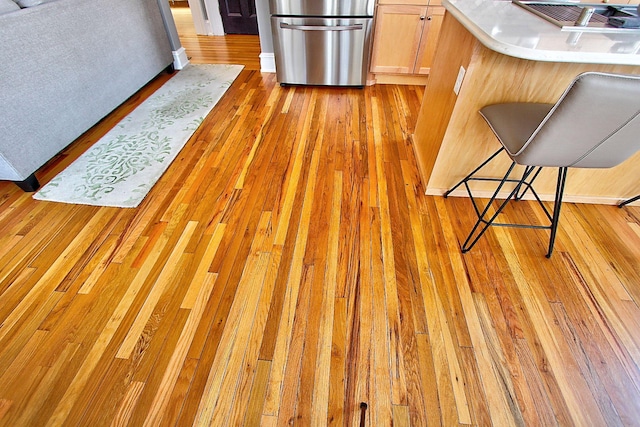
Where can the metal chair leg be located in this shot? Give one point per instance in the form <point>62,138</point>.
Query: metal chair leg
<point>528,185</point>
<point>562,178</point>
<point>631,200</point>
<point>466,178</point>
<point>469,243</point>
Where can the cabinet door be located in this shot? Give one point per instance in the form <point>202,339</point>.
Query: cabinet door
<point>397,38</point>
<point>429,41</point>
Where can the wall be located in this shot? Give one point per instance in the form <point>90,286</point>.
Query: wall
<point>267,57</point>
<point>264,26</point>
<point>180,59</point>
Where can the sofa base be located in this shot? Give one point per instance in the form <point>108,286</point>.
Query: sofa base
<point>29,185</point>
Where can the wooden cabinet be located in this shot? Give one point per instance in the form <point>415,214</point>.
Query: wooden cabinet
<point>405,38</point>
<point>429,40</point>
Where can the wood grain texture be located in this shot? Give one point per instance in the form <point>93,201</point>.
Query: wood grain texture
<point>288,267</point>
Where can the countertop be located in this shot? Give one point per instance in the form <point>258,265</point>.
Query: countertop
<point>509,29</point>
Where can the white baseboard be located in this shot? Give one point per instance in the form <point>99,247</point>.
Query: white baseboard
<point>180,59</point>
<point>267,63</point>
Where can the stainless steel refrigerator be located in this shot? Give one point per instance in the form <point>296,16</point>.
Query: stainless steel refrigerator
<point>322,42</point>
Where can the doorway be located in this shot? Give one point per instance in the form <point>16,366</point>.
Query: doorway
<point>205,49</point>
<point>220,17</point>
<point>239,16</point>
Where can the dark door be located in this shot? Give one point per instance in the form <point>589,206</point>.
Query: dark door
<point>239,16</point>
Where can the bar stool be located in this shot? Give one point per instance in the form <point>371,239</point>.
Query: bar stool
<point>594,124</point>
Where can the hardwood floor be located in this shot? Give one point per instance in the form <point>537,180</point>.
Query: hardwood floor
<point>288,268</point>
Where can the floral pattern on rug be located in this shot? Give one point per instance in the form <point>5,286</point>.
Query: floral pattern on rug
<point>121,168</point>
<point>120,159</point>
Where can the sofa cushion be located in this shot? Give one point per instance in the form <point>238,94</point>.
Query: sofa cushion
<point>7,6</point>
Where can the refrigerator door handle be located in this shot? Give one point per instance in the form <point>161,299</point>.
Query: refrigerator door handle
<point>321,27</point>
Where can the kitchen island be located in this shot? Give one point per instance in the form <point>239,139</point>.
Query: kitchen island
<point>495,51</point>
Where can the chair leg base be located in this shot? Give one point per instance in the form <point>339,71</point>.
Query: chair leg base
<point>523,185</point>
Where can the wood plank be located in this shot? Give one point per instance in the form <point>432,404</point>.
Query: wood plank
<point>320,406</point>
<point>161,399</point>
<point>84,374</point>
<point>250,378</point>
<point>380,408</point>
<point>284,339</point>
<point>162,281</point>
<point>578,398</point>
<point>337,369</point>
<point>499,364</point>
<point>594,382</point>
<point>258,391</point>
<point>399,388</point>
<point>359,384</point>
<point>233,346</point>
<point>176,401</point>
<point>4,407</point>
<point>37,396</point>
<point>128,404</point>
<point>37,302</point>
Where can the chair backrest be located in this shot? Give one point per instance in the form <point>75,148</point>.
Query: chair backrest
<point>594,124</point>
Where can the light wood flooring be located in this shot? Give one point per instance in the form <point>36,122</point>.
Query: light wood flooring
<point>287,269</point>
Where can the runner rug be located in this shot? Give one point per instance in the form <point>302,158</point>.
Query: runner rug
<point>121,168</point>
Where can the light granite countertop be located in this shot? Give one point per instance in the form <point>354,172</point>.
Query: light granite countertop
<point>511,30</point>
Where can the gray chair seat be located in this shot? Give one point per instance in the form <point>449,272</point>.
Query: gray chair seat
<point>513,123</point>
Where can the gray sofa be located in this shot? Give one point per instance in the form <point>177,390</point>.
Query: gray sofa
<point>66,64</point>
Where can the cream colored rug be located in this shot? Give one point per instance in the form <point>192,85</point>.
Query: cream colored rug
<point>121,168</point>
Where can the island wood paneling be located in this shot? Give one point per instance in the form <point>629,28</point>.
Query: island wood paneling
<point>455,49</point>
<point>288,267</point>
<point>452,139</point>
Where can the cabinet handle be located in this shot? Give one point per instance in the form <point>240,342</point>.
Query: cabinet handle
<point>422,18</point>
<point>428,18</point>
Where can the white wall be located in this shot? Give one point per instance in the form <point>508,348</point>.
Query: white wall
<point>264,25</point>
<point>267,58</point>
